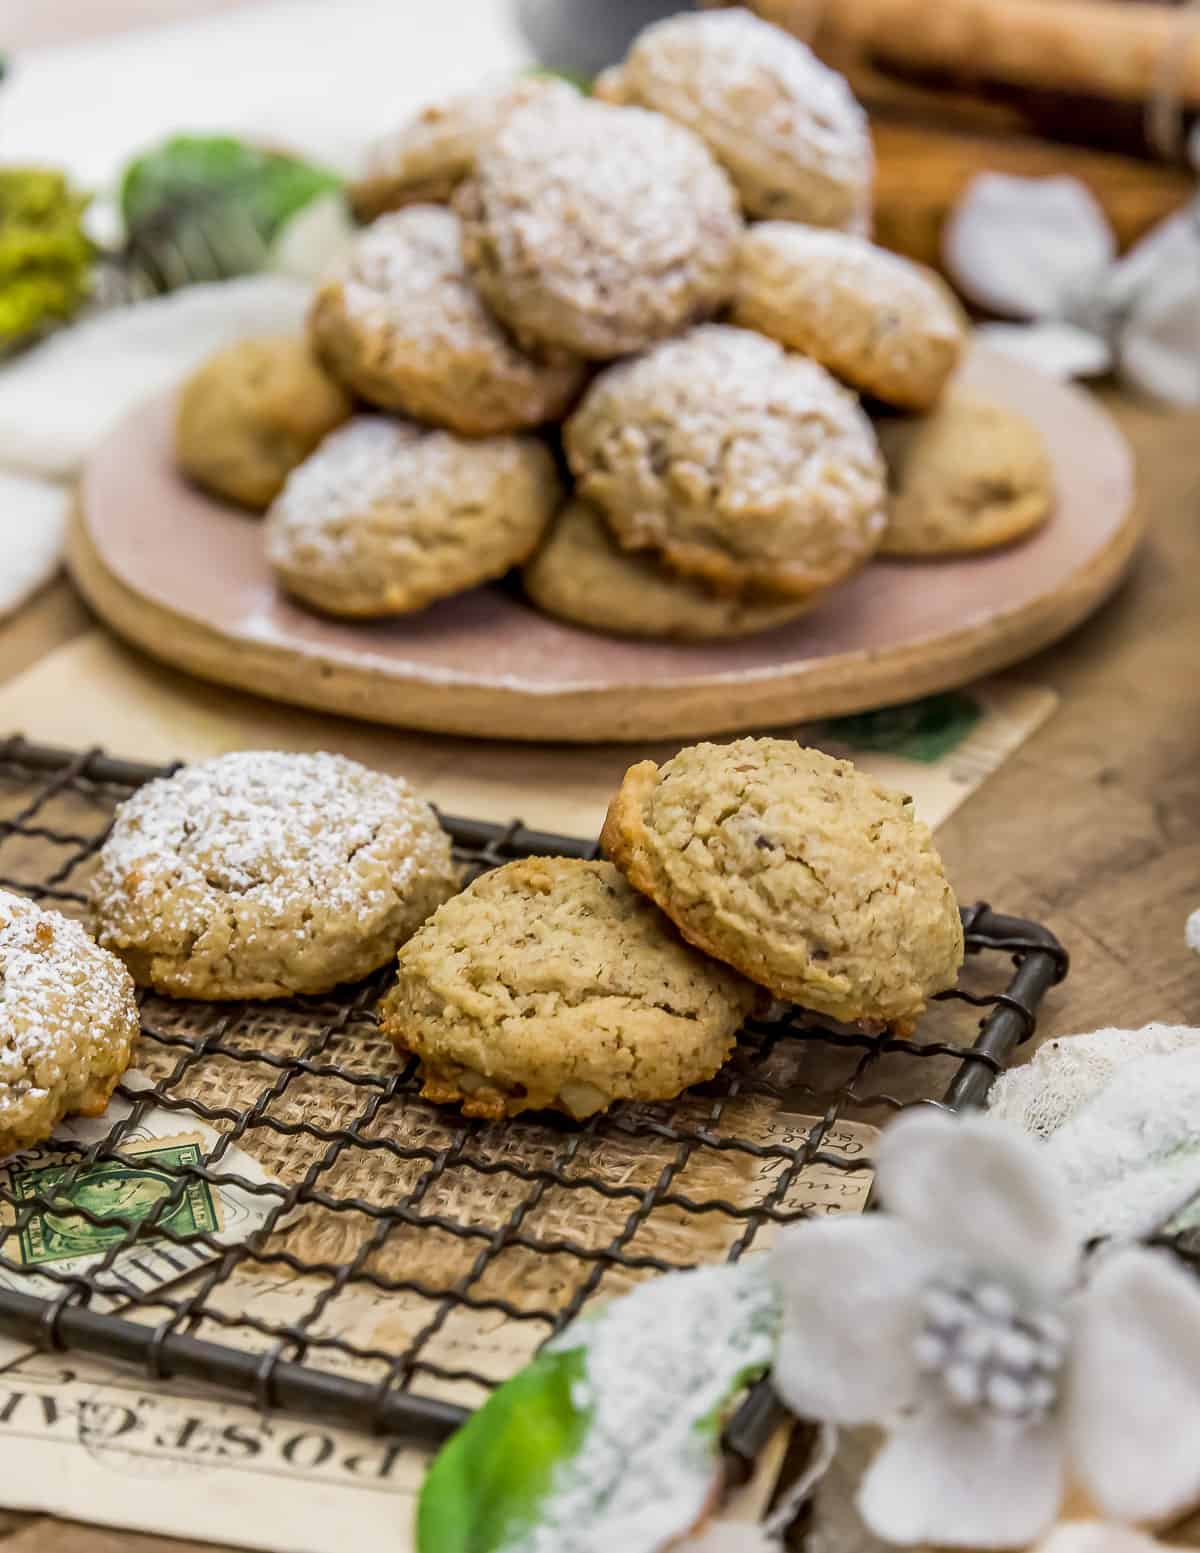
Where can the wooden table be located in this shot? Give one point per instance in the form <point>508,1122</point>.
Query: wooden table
<point>1094,826</point>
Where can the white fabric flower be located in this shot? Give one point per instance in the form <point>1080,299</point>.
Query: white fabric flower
<point>955,1319</point>
<point>1097,1537</point>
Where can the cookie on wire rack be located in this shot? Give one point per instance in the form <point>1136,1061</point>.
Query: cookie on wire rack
<point>68,1022</point>
<point>261,873</point>
<point>550,984</point>
<point>805,874</point>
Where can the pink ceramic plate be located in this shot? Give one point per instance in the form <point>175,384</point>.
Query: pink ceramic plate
<point>185,578</point>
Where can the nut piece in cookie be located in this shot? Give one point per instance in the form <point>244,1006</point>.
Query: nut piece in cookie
<point>970,476</point>
<point>550,984</point>
<point>737,461</point>
<point>68,1022</point>
<point>425,160</point>
<point>887,326</point>
<point>597,229</point>
<point>582,575</point>
<point>787,128</point>
<point>805,874</point>
<point>260,874</point>
<point>400,323</point>
<point>387,516</point>
<point>250,414</point>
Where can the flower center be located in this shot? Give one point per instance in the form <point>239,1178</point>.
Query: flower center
<point>988,1350</point>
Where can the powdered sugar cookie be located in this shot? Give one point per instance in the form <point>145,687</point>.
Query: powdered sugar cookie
<point>68,1022</point>
<point>256,875</point>
<point>889,327</point>
<point>399,321</point>
<point>597,229</point>
<point>387,516</point>
<point>787,128</point>
<point>738,462</point>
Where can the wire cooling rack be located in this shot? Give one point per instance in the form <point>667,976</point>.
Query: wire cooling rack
<point>409,1259</point>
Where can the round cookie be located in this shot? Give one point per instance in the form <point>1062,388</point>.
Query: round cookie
<point>889,327</point>
<point>68,1022</point>
<point>597,229</point>
<point>582,575</point>
<point>550,984</point>
<point>802,872</point>
<point>425,160</point>
<point>740,463</point>
<point>968,477</point>
<point>260,874</point>
<point>786,128</point>
<point>399,321</point>
<point>387,516</point>
<point>250,414</point>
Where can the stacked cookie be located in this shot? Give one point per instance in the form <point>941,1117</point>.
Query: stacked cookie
<point>739,872</point>
<point>537,260</point>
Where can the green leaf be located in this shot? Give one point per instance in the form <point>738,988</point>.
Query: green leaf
<point>611,1437</point>
<point>45,256</point>
<point>485,1487</point>
<point>206,207</point>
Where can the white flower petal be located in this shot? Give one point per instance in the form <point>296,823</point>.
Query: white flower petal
<point>1133,1401</point>
<point>1097,1537</point>
<point>982,1190</point>
<point>849,1286</point>
<point>963,1479</point>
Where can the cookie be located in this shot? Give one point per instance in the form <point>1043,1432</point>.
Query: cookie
<point>740,463</point>
<point>251,414</point>
<point>787,129</point>
<point>582,575</point>
<point>968,477</point>
<point>260,874</point>
<point>68,1022</point>
<point>400,323</point>
<point>425,160</point>
<point>387,516</point>
<point>597,229</point>
<point>887,326</point>
<point>802,872</point>
<point>550,984</point>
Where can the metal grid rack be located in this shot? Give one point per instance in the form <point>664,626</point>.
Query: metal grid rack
<point>465,1228</point>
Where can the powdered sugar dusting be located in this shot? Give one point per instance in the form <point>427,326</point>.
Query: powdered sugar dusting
<point>67,1019</point>
<point>659,1362</point>
<point>787,127</point>
<point>722,439</point>
<point>267,869</point>
<point>598,228</point>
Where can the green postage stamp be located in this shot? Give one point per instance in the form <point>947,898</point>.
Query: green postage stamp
<point>139,1217</point>
<point>114,1194</point>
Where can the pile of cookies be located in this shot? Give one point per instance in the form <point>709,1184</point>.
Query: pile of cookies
<point>739,873</point>
<point>618,341</point>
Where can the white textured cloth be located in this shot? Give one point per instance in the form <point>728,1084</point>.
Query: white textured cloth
<point>58,400</point>
<point>1120,1111</point>
<point>33,524</point>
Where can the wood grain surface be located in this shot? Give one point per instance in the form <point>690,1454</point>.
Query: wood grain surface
<point>185,578</point>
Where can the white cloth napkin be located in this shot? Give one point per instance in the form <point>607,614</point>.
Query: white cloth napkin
<point>33,522</point>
